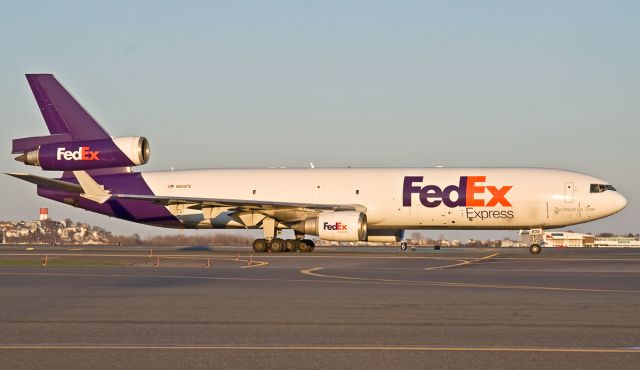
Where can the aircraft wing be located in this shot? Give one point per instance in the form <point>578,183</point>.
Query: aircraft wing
<point>211,207</point>
<point>48,183</point>
<point>198,203</point>
<point>284,211</point>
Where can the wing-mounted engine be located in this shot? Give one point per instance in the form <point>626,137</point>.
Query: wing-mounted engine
<point>347,226</point>
<point>88,154</point>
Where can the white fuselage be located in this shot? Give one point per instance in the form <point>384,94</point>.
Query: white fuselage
<point>405,198</point>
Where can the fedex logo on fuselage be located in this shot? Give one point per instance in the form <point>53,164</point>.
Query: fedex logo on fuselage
<point>338,226</point>
<point>84,153</point>
<point>467,193</point>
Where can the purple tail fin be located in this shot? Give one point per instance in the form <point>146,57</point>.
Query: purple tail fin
<point>66,119</point>
<point>61,112</point>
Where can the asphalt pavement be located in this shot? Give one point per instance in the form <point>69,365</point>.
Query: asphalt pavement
<point>357,308</point>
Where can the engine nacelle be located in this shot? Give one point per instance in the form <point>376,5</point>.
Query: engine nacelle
<point>385,236</point>
<point>89,154</point>
<point>336,226</point>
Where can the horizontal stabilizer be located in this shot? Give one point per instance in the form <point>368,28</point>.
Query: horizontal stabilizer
<point>31,143</point>
<point>48,183</point>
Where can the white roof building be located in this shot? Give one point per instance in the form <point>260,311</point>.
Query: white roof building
<point>571,239</point>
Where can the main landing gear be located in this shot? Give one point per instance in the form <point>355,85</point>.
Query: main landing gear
<point>277,245</point>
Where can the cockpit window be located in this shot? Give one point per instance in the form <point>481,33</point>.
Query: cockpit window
<point>600,188</point>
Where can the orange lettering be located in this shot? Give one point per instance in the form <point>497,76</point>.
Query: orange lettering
<point>498,196</point>
<point>471,190</point>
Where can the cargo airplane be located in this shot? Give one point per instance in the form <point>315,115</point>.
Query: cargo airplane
<point>337,204</point>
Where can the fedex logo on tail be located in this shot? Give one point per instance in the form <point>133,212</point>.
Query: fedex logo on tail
<point>467,193</point>
<point>83,153</point>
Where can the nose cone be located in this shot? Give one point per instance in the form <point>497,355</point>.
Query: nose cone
<point>617,202</point>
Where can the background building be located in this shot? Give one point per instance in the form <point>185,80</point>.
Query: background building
<point>562,239</point>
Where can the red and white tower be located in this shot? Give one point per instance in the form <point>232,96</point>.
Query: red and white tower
<point>44,214</point>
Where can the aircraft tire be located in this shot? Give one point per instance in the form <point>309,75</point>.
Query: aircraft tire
<point>291,245</point>
<point>277,246</point>
<point>260,245</point>
<point>304,246</point>
<point>535,249</point>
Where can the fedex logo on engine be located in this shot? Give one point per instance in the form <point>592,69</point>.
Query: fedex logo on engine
<point>468,193</point>
<point>338,226</point>
<point>84,153</point>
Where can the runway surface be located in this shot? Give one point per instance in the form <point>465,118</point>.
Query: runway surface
<point>360,308</point>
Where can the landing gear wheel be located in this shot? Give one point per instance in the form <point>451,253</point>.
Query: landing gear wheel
<point>535,249</point>
<point>277,245</point>
<point>291,245</point>
<point>260,245</point>
<point>311,244</point>
<point>403,246</point>
<point>306,246</point>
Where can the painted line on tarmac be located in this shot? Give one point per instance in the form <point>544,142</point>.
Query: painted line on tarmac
<point>463,262</point>
<point>146,256</point>
<point>263,255</point>
<point>561,259</point>
<point>499,270</point>
<point>352,348</point>
<point>312,272</point>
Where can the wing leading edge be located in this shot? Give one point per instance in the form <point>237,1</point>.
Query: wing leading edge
<point>283,211</point>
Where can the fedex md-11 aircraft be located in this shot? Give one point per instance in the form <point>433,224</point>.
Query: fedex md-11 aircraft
<point>337,204</point>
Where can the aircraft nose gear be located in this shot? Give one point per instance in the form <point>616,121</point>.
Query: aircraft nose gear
<point>535,237</point>
<point>535,248</point>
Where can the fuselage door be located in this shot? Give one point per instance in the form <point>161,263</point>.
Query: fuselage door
<point>568,192</point>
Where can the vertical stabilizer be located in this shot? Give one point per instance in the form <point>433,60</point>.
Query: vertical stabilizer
<point>61,111</point>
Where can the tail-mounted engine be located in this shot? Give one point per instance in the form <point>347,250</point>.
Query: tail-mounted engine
<point>89,154</point>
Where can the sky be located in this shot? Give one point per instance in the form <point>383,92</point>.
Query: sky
<point>337,83</point>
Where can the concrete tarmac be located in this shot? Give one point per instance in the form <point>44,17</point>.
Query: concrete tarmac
<point>359,308</point>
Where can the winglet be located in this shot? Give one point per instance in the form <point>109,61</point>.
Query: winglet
<point>91,189</point>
